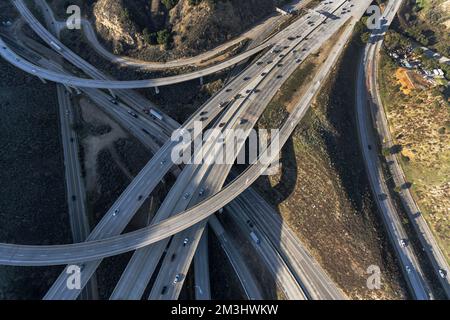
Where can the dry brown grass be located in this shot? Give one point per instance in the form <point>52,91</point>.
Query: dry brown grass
<point>420,124</point>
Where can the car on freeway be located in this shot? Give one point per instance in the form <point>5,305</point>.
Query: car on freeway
<point>403,243</point>
<point>382,196</point>
<point>255,237</point>
<point>164,290</point>
<point>408,269</point>
<point>177,279</point>
<point>443,273</point>
<point>186,195</point>
<point>186,241</point>
<point>201,192</point>
<point>115,212</point>
<point>131,113</point>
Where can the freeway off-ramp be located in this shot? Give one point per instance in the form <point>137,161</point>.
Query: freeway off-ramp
<point>102,83</point>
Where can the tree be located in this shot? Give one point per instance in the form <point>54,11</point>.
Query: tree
<point>386,152</point>
<point>365,37</point>
<point>163,37</point>
<point>418,51</point>
<point>397,148</point>
<point>149,37</point>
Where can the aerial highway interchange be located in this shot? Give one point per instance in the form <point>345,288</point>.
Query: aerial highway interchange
<point>177,234</point>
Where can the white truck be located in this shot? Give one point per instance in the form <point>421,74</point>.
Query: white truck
<point>156,114</point>
<point>57,47</point>
<point>255,237</point>
<point>276,49</point>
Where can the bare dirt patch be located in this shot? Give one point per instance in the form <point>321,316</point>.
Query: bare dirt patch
<point>94,144</point>
<point>404,80</point>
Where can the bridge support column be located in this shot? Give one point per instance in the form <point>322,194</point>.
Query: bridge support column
<point>42,79</point>
<point>156,90</point>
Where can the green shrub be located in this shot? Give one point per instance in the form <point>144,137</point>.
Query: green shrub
<point>163,37</point>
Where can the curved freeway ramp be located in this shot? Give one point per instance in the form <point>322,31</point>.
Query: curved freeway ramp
<point>10,56</point>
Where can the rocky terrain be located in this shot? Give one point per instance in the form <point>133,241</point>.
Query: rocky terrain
<point>163,29</point>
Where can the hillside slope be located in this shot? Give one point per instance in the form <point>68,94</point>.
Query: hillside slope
<point>428,23</point>
<point>167,29</point>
